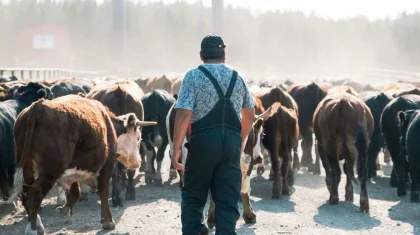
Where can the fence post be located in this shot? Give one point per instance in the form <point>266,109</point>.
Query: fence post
<point>22,73</point>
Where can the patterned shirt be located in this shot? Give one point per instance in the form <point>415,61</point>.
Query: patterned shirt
<point>199,95</point>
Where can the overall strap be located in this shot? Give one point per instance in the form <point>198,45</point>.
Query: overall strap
<point>212,80</point>
<point>232,84</point>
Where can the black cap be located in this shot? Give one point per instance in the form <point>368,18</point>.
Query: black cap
<point>212,46</point>
<point>212,42</point>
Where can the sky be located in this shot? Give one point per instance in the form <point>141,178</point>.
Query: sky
<point>333,9</point>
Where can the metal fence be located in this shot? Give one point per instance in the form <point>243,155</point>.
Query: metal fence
<point>44,73</point>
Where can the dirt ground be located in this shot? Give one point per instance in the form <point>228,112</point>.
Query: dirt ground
<point>156,210</point>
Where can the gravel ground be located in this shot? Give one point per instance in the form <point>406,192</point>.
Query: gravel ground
<point>156,210</point>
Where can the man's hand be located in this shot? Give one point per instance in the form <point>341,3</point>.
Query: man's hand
<point>175,160</point>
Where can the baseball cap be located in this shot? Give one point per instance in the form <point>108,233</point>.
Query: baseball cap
<point>212,42</point>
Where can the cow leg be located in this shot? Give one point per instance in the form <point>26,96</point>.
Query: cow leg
<point>414,194</point>
<point>349,196</point>
<point>362,147</point>
<point>143,163</point>
<point>285,169</point>
<point>37,192</point>
<point>296,162</point>
<point>61,196</point>
<point>159,160</point>
<point>116,186</point>
<point>317,165</point>
<point>387,155</point>
<point>211,221</point>
<point>248,213</point>
<point>130,194</point>
<point>373,160</point>
<point>150,164</point>
<point>103,186</point>
<point>4,184</point>
<point>84,192</point>
<point>276,163</point>
<point>307,144</point>
<point>336,178</point>
<point>401,172</point>
<point>393,179</point>
<point>73,198</point>
<point>11,176</point>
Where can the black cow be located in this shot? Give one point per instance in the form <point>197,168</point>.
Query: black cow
<point>71,86</point>
<point>376,101</point>
<point>391,133</point>
<point>9,110</point>
<point>410,133</point>
<point>9,79</point>
<point>156,105</point>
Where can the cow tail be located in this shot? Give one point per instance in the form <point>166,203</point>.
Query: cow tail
<point>19,180</point>
<point>343,132</point>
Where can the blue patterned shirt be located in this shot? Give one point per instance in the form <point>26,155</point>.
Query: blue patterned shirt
<point>199,95</point>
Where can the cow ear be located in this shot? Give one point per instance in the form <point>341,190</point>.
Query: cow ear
<point>41,93</point>
<point>130,121</point>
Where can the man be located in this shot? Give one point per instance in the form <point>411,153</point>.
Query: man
<point>218,104</point>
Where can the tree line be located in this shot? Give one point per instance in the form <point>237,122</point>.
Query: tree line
<point>161,38</point>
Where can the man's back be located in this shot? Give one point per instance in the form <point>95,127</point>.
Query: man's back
<point>199,95</point>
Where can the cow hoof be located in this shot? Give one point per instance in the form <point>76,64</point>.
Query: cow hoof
<point>250,218</point>
<point>401,193</point>
<point>109,225</point>
<point>211,222</point>
<point>5,198</point>
<point>173,174</point>
<point>276,196</point>
<point>285,192</point>
<point>117,202</point>
<point>349,197</point>
<point>364,206</point>
<point>333,201</point>
<point>260,170</point>
<point>66,212</point>
<point>414,197</point>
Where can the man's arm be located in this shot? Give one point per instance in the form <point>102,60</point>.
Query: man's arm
<point>182,120</point>
<point>184,106</point>
<point>248,116</point>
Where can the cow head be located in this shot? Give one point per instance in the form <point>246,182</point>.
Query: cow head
<point>129,143</point>
<point>33,91</point>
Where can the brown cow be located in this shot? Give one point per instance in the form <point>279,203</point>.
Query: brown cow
<point>176,86</point>
<point>121,98</point>
<point>281,133</point>
<point>343,126</point>
<point>340,89</point>
<point>142,83</point>
<point>393,89</point>
<point>307,98</point>
<point>162,82</point>
<point>267,99</point>
<point>70,140</point>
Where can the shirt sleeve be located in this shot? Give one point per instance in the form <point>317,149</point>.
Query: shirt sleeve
<point>186,97</point>
<point>248,100</point>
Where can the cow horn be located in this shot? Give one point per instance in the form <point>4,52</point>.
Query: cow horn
<point>266,114</point>
<point>145,123</point>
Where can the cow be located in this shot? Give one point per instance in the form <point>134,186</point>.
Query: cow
<point>395,88</point>
<point>409,124</point>
<point>390,131</point>
<point>343,126</point>
<point>160,83</point>
<point>250,157</point>
<point>71,140</point>
<point>8,79</point>
<point>176,86</point>
<point>281,133</point>
<point>156,106</point>
<point>9,110</point>
<point>142,83</point>
<point>268,98</point>
<point>339,89</point>
<point>71,86</point>
<point>122,98</point>
<point>307,98</point>
<point>376,101</point>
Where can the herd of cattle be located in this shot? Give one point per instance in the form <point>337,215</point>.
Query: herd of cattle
<point>72,131</point>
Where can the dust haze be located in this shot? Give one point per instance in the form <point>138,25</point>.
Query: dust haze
<point>162,38</point>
